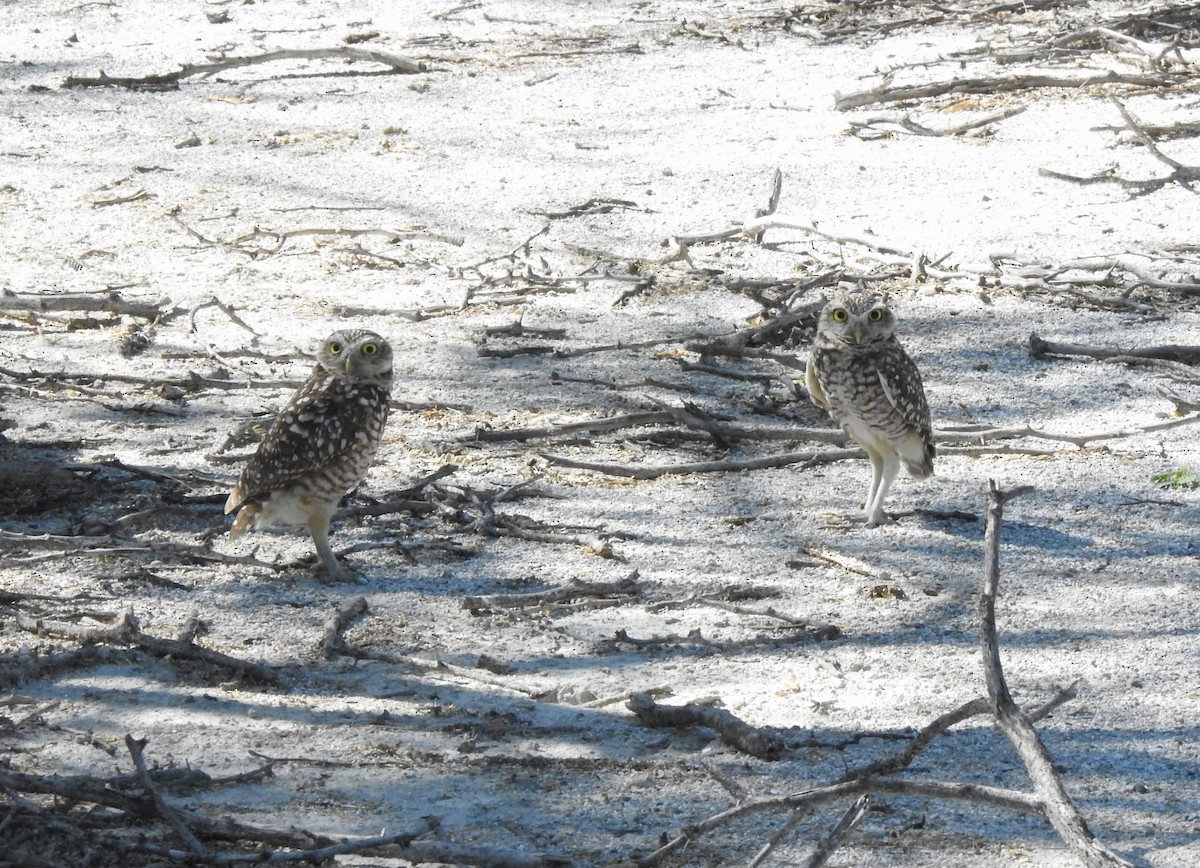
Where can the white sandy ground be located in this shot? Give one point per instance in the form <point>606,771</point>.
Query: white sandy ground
<point>1099,570</point>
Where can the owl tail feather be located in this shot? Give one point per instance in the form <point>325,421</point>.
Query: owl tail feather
<point>917,453</point>
<point>245,518</point>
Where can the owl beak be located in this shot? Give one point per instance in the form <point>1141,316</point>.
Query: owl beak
<point>857,334</point>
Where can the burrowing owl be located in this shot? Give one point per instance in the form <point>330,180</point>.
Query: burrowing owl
<point>858,372</point>
<point>320,445</point>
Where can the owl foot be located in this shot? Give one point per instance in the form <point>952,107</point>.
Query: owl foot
<point>878,518</point>
<point>331,571</point>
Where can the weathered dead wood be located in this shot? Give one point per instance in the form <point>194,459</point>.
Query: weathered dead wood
<point>333,643</point>
<point>595,205</point>
<point>735,465</point>
<point>807,800</point>
<point>192,382</point>
<point>1183,175</point>
<point>100,302</point>
<point>837,835</point>
<point>171,80</point>
<point>799,632</point>
<point>1039,348</point>
<point>943,723</point>
<point>688,416</point>
<point>728,594</point>
<point>622,591</point>
<point>1059,809</point>
<point>756,227</point>
<point>733,730</point>
<point>879,125</point>
<point>991,435</point>
<point>244,243</point>
<point>475,510</point>
<point>165,811</point>
<point>123,630</point>
<point>591,426</point>
<point>885,92</point>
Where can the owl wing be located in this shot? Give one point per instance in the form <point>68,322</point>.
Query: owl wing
<point>318,427</point>
<point>902,386</point>
<point>815,392</point>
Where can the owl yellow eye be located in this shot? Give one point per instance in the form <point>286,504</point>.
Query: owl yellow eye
<point>335,348</point>
<point>839,315</point>
<point>370,349</point>
<point>875,315</point>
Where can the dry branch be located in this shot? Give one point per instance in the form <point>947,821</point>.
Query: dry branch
<point>853,816</point>
<point>171,80</point>
<point>107,302</point>
<point>1039,348</point>
<point>165,811</point>
<point>733,730</point>
<point>810,459</point>
<point>124,631</point>
<point>333,643</point>
<point>1015,724</point>
<point>689,416</point>
<point>906,123</point>
<point>999,84</point>
<point>625,590</point>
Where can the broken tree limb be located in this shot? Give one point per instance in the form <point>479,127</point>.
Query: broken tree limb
<point>1059,809</point>
<point>755,228</point>
<point>906,123</point>
<point>1039,348</point>
<point>106,302</point>
<point>123,629</point>
<point>838,834</point>
<point>626,590</point>
<point>728,466</point>
<point>392,236</point>
<point>171,80</point>
<point>687,416</point>
<point>733,730</point>
<point>885,93</point>
<point>165,811</point>
<point>333,643</point>
<point>808,799</point>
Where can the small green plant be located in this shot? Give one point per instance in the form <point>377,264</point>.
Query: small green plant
<point>1181,477</point>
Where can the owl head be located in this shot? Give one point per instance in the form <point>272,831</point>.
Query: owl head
<point>857,320</point>
<point>357,354</point>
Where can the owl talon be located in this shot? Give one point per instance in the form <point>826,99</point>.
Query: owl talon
<point>336,574</point>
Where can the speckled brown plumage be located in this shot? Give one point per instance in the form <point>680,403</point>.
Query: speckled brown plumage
<point>320,445</point>
<point>861,375</point>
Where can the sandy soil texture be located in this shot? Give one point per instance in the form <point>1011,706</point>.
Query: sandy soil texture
<point>597,236</point>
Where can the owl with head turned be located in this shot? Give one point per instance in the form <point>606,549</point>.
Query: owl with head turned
<point>860,374</point>
<point>319,447</point>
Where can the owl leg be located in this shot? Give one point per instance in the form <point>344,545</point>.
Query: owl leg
<point>318,526</point>
<point>885,475</point>
<point>876,476</point>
